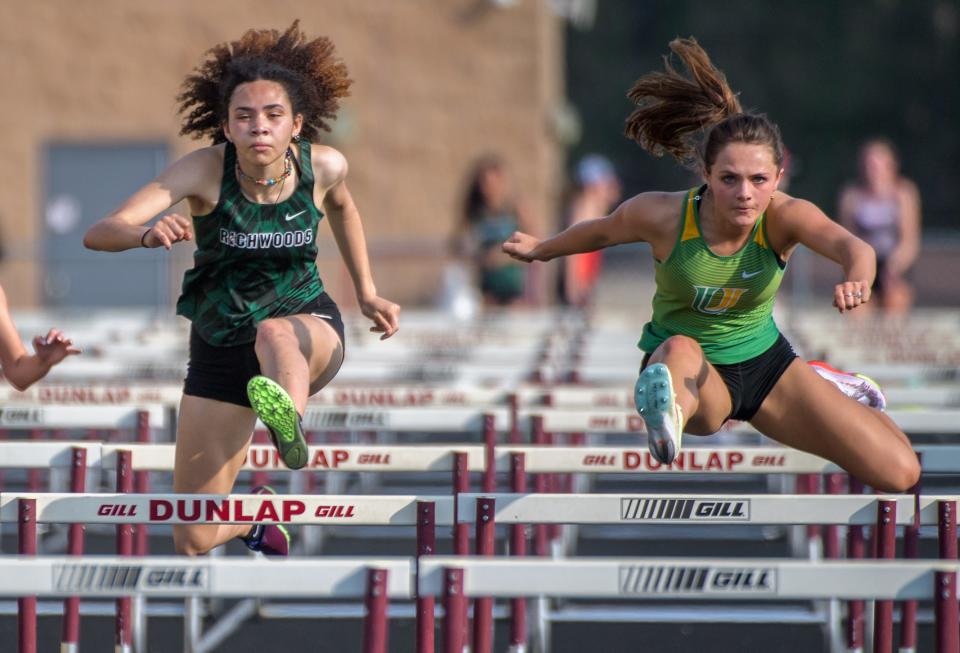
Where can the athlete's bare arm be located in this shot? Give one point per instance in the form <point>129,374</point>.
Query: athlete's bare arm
<point>20,368</point>
<point>794,221</point>
<point>332,194</point>
<point>649,217</point>
<point>195,177</point>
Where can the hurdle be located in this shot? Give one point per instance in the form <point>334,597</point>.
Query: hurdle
<point>374,580</point>
<point>124,509</point>
<point>885,512</point>
<point>455,579</point>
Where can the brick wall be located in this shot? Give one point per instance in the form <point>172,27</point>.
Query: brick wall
<point>436,83</point>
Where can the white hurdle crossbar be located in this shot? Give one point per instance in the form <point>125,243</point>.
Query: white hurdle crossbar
<point>706,578</point>
<point>107,508</point>
<point>936,459</point>
<point>104,576</point>
<point>512,508</point>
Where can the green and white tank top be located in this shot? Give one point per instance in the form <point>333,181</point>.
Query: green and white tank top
<point>253,261</point>
<point>725,303</point>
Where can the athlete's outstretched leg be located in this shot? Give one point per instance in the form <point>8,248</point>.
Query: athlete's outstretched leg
<point>807,412</point>
<point>212,441</point>
<point>298,355</point>
<point>679,391</point>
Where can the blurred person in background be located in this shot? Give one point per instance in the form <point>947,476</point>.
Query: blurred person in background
<point>883,208</point>
<point>491,212</point>
<point>20,368</point>
<point>713,350</point>
<point>265,335</point>
<point>597,190</point>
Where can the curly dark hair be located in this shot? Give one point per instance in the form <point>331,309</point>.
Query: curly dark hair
<point>312,75</point>
<point>672,109</point>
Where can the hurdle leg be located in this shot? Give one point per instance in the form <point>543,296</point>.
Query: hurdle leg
<point>490,453</point>
<point>945,590</point>
<point>856,548</point>
<point>70,635</point>
<point>455,610</point>
<point>541,604</point>
<point>947,529</point>
<point>947,638</point>
<point>461,532</point>
<point>518,547</point>
<point>375,624</point>
<point>141,485</point>
<point>886,536</point>
<point>483,606</point>
<point>831,551</point>
<point>426,605</point>
<point>27,605</point>
<point>911,551</point>
<point>122,637</point>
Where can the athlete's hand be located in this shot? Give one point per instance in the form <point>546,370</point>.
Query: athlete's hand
<point>53,347</point>
<point>384,313</point>
<point>168,230</point>
<point>850,294</point>
<point>520,246</point>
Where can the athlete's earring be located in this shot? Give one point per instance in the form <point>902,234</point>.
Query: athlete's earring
<point>296,138</point>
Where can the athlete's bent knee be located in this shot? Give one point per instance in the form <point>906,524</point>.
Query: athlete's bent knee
<point>902,472</point>
<point>271,332</point>
<point>680,345</point>
<point>190,541</point>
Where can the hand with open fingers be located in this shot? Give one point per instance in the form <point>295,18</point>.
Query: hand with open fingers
<point>385,315</point>
<point>53,347</point>
<point>520,246</point>
<point>168,230</point>
<point>850,294</point>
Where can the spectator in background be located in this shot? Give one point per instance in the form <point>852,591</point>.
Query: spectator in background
<point>883,208</point>
<point>491,212</point>
<point>596,192</point>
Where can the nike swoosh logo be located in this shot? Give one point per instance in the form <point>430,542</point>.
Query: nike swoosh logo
<point>322,316</point>
<point>748,275</point>
<point>289,217</point>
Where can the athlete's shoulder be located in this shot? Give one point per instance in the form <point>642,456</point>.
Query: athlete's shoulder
<point>783,206</point>
<point>329,164</point>
<point>659,209</point>
<point>655,203</point>
<point>205,162</point>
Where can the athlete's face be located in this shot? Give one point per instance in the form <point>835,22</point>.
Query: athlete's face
<point>261,122</point>
<point>879,165</point>
<point>742,180</point>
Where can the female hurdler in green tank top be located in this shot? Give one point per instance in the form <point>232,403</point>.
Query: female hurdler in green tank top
<point>253,261</point>
<point>713,350</point>
<point>265,336</point>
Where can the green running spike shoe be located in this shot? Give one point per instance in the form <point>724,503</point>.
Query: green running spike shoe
<point>275,409</point>
<point>661,413</point>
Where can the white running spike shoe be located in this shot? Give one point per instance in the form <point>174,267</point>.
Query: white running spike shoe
<point>858,387</point>
<point>657,404</point>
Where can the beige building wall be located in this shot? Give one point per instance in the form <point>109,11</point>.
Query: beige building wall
<point>436,83</point>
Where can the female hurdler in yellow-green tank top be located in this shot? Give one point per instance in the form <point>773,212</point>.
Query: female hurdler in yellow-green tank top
<point>725,303</point>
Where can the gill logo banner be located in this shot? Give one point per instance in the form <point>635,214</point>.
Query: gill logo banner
<point>716,300</point>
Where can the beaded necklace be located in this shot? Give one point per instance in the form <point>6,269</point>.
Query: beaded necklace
<point>287,169</point>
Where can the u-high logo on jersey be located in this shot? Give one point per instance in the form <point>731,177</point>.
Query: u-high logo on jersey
<point>712,300</point>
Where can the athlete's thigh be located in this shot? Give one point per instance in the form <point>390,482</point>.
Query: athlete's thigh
<point>696,381</point>
<point>807,412</point>
<point>715,404</point>
<point>212,440</point>
<point>320,345</point>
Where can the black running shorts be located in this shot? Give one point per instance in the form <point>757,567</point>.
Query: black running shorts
<point>749,382</point>
<point>222,373</point>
